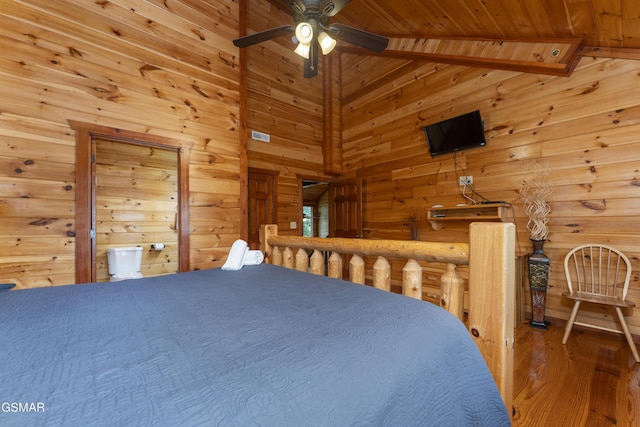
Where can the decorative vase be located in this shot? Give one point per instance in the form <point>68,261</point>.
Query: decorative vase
<point>538,279</point>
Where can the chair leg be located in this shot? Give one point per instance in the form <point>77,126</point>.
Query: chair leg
<point>572,318</point>
<point>627,334</point>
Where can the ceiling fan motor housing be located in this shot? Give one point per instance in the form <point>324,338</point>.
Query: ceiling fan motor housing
<point>317,13</point>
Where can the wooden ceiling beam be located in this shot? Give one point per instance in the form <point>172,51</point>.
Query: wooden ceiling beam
<point>556,57</point>
<point>610,52</point>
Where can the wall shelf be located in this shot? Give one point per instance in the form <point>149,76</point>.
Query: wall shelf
<point>478,212</point>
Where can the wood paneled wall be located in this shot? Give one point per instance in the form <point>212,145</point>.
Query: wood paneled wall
<point>585,128</point>
<point>288,107</point>
<point>162,68</point>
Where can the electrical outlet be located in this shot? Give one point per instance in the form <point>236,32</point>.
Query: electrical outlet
<point>465,180</point>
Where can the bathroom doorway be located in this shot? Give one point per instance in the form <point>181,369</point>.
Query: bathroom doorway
<point>136,189</point>
<point>117,202</point>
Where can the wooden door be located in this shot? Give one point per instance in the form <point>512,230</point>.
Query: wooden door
<point>346,208</point>
<point>262,202</point>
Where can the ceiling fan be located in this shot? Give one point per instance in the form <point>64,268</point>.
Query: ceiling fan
<point>312,31</point>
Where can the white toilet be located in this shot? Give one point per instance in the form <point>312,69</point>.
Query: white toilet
<point>124,263</point>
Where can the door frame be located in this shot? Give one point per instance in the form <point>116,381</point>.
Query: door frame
<point>86,134</point>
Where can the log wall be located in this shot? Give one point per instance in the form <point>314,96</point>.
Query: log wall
<point>288,107</point>
<point>161,68</point>
<point>584,127</point>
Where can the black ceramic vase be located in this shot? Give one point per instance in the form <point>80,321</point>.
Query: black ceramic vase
<point>538,278</point>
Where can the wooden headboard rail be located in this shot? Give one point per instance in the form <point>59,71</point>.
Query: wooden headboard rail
<point>490,255</point>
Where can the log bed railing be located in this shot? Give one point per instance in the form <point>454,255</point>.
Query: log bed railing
<point>490,255</point>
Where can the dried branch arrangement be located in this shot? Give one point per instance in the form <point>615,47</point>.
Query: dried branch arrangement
<point>534,193</point>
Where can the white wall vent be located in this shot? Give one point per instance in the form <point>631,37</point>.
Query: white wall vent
<point>264,137</point>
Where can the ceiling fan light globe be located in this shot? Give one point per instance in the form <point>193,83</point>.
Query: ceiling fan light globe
<point>303,50</point>
<point>327,43</point>
<point>304,32</point>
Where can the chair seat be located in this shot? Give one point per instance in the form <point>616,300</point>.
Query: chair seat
<point>599,299</point>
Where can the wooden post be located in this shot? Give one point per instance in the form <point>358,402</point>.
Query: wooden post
<point>317,263</point>
<point>382,274</point>
<point>276,256</point>
<point>266,231</point>
<point>452,290</point>
<point>412,279</point>
<point>287,258</point>
<point>491,299</point>
<point>302,260</point>
<point>335,265</point>
<point>356,269</point>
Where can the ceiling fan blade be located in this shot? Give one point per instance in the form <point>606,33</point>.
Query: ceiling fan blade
<point>332,7</point>
<point>263,36</point>
<point>311,64</point>
<point>358,37</point>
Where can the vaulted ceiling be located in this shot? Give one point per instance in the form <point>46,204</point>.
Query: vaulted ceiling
<point>600,23</point>
<point>540,36</point>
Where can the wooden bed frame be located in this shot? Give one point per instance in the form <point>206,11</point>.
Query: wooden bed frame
<point>490,255</point>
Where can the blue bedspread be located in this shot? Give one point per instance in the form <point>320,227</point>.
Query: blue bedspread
<point>263,346</point>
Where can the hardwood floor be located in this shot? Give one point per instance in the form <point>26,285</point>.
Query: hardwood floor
<point>591,381</point>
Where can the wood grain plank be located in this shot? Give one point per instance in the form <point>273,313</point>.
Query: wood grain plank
<point>608,14</point>
<point>583,21</point>
<point>630,24</point>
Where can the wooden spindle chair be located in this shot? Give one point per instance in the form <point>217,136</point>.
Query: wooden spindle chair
<point>598,274</point>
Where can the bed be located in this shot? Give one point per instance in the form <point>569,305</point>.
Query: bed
<point>265,345</point>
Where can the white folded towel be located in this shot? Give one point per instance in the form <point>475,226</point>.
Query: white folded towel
<point>235,260</point>
<point>253,257</point>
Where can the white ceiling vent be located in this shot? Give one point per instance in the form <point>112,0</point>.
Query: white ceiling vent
<point>264,137</point>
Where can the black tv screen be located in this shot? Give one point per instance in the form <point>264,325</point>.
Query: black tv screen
<point>456,133</point>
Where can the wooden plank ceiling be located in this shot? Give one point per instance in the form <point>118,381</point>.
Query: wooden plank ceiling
<point>557,32</point>
<point>600,23</point>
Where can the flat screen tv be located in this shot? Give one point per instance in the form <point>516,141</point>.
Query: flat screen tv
<point>456,133</point>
